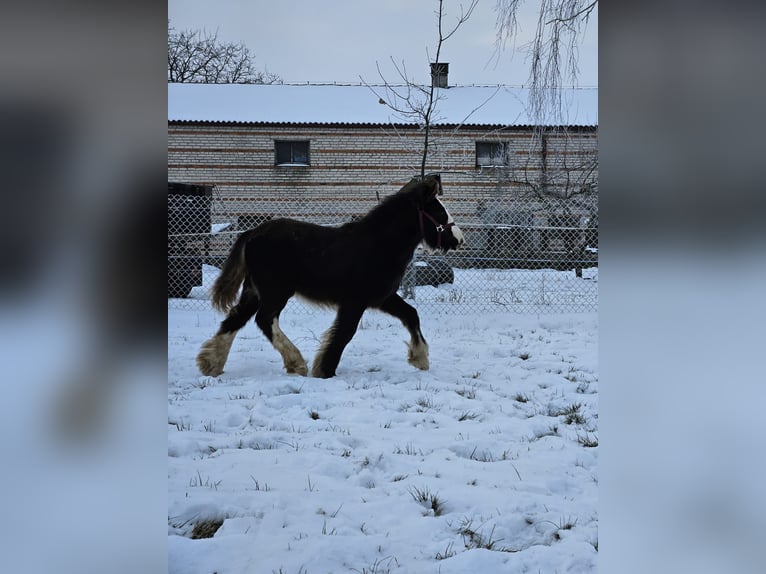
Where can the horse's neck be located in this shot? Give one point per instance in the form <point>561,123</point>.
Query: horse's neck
<point>390,231</point>
<point>396,224</point>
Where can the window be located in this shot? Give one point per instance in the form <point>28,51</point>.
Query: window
<point>491,154</point>
<point>291,152</point>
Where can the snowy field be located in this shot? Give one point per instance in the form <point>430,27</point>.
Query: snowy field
<point>473,290</point>
<point>488,462</point>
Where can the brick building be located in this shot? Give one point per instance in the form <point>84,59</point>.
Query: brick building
<point>328,152</point>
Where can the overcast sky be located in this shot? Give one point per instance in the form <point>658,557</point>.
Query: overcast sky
<point>341,40</point>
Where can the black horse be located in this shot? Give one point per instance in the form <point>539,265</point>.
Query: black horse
<point>353,267</point>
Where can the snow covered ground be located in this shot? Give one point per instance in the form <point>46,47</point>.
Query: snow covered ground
<point>473,290</point>
<point>488,462</point>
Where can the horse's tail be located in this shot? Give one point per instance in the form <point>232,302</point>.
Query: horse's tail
<point>232,275</point>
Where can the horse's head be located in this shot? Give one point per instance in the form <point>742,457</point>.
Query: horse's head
<point>437,228</point>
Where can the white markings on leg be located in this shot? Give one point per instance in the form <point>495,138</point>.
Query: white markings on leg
<point>417,354</point>
<point>294,361</point>
<point>213,354</point>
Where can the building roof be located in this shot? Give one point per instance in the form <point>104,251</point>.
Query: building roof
<point>358,104</point>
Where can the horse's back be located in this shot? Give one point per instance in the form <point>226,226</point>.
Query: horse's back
<point>293,239</point>
<point>291,249</point>
<point>324,264</point>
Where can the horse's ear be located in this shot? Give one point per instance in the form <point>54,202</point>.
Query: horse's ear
<point>432,186</point>
<point>424,189</point>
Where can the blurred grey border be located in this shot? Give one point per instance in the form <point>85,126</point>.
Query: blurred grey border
<point>82,273</point>
<point>83,103</point>
<point>682,283</point>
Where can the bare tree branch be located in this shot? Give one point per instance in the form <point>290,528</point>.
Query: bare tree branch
<point>197,56</point>
<point>585,12</point>
<point>559,168</point>
<point>464,16</point>
<point>553,52</point>
<point>416,102</point>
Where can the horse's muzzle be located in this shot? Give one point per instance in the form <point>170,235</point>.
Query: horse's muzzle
<point>456,240</point>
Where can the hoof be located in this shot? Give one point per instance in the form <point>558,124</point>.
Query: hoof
<point>213,354</point>
<point>419,362</point>
<point>417,356</point>
<point>208,367</point>
<point>301,369</point>
<point>318,373</point>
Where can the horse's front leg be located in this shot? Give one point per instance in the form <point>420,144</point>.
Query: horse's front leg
<point>417,355</point>
<point>335,340</point>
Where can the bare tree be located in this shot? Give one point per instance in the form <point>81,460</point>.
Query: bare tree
<point>553,50</point>
<point>546,205</point>
<point>197,56</point>
<point>560,173</point>
<point>416,102</point>
<point>560,168</point>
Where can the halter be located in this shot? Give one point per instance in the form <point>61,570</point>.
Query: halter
<point>439,227</point>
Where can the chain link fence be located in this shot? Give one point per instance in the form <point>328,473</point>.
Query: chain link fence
<point>513,260</point>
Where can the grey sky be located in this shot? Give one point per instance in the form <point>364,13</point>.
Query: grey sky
<point>336,40</point>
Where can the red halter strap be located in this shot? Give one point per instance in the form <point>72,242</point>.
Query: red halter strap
<point>439,227</point>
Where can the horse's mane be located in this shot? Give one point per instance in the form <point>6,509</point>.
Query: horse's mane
<point>390,204</point>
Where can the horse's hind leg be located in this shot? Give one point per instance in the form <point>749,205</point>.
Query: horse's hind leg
<point>267,319</point>
<point>417,355</point>
<point>335,340</point>
<point>214,352</point>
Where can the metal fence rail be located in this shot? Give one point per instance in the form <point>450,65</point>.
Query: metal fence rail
<point>504,267</point>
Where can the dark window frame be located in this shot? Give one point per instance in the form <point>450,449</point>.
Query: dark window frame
<point>292,152</point>
<point>491,150</point>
